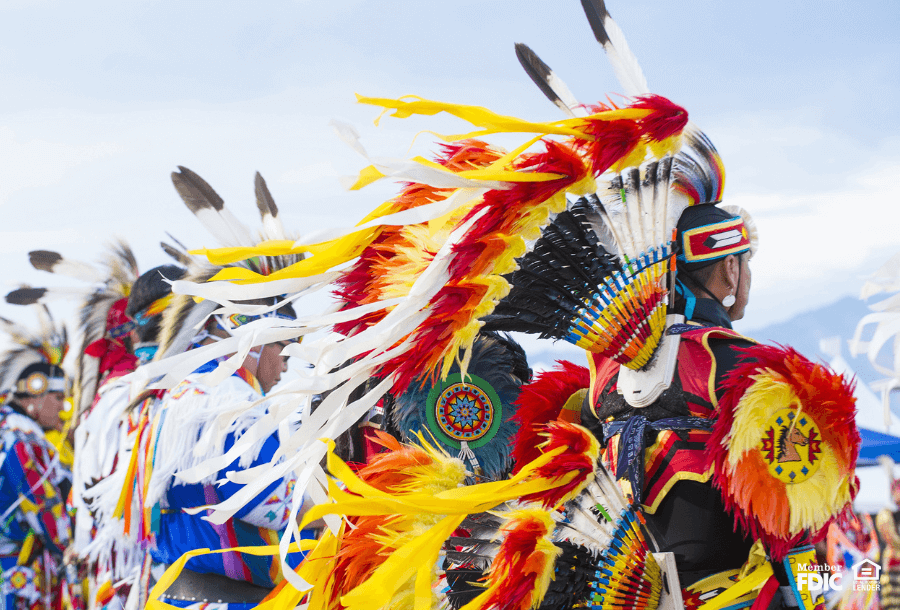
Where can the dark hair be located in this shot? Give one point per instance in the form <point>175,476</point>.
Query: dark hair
<point>151,286</point>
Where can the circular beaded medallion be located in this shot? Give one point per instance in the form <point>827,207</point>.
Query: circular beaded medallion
<point>464,411</point>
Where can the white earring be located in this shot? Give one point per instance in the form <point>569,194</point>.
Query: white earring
<point>729,300</point>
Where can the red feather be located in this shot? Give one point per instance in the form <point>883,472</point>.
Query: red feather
<point>824,395</point>
<point>580,456</point>
<point>540,402</point>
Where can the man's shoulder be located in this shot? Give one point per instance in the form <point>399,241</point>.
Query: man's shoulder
<point>17,428</point>
<point>707,334</point>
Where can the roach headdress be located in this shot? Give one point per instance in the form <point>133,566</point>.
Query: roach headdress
<point>32,366</point>
<point>186,317</point>
<point>103,323</point>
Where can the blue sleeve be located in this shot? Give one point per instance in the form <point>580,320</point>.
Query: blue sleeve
<point>41,505</point>
<point>229,489</point>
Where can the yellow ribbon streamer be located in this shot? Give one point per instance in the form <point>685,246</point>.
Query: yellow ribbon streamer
<point>490,121</point>
<point>172,572</point>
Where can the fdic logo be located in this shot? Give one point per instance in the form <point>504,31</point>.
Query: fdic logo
<point>814,577</point>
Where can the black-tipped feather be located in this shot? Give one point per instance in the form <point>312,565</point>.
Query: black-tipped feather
<point>557,278</point>
<point>44,260</point>
<point>596,13</point>
<point>196,192</point>
<point>264,200</point>
<point>25,296</point>
<point>540,73</point>
<point>179,256</point>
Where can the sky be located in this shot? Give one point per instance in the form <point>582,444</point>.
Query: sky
<point>103,100</point>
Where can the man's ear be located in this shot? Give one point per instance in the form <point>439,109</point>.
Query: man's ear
<point>732,270</point>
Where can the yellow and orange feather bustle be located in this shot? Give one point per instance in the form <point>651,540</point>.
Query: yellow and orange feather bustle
<point>784,447</point>
<point>520,191</point>
<point>397,255</point>
<point>401,508</point>
<point>371,539</point>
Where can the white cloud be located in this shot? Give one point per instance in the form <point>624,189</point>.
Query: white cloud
<point>30,162</point>
<point>818,246</point>
<point>309,173</point>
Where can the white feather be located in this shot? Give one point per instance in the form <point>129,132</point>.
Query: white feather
<point>624,63</point>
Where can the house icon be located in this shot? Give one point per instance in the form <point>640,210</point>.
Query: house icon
<point>867,570</point>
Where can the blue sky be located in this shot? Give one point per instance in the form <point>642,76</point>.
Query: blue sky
<point>102,100</point>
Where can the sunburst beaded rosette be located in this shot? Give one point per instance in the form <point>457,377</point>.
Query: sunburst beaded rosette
<point>784,441</point>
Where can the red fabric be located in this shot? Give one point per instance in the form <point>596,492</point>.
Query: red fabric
<point>371,444</point>
<point>115,359</point>
<point>766,594</point>
<point>116,315</point>
<point>672,453</point>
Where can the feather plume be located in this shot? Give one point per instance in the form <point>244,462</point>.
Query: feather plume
<point>577,452</point>
<point>607,32</point>
<point>548,82</point>
<point>47,260</point>
<point>268,211</point>
<point>540,402</point>
<point>523,567</point>
<point>210,210</point>
<point>404,469</point>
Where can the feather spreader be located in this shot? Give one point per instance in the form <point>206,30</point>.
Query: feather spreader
<point>784,447</point>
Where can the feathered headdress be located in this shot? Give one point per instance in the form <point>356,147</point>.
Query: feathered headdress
<point>428,266</point>
<point>102,320</point>
<point>184,318</point>
<point>46,345</point>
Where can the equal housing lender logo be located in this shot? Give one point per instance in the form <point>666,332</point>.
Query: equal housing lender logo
<point>819,578</point>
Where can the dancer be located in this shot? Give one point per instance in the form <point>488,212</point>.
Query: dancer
<point>214,409</point>
<point>776,436</point>
<point>117,555</point>
<point>35,529</point>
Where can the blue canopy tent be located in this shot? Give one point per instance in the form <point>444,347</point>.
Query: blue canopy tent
<point>875,444</point>
<point>880,435</point>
